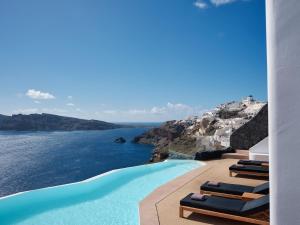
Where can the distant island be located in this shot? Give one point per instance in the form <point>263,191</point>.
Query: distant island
<point>49,122</point>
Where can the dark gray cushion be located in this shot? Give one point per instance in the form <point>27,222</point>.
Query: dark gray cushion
<point>226,188</point>
<point>227,205</point>
<point>249,168</point>
<point>213,203</point>
<point>251,162</point>
<point>256,205</point>
<point>262,189</point>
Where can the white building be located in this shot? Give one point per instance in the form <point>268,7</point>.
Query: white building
<point>260,151</point>
<point>248,100</point>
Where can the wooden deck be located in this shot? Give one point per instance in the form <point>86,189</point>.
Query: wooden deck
<point>161,207</point>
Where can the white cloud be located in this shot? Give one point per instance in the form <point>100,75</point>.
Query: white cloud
<point>203,4</point>
<point>37,102</point>
<point>70,104</point>
<point>178,106</point>
<point>158,110</point>
<point>200,4</point>
<point>221,2</point>
<point>168,109</point>
<point>70,97</point>
<point>156,113</point>
<point>34,94</point>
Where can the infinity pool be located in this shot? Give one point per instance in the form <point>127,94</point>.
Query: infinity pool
<point>109,199</point>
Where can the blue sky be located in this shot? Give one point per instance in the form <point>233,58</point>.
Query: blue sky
<point>133,60</point>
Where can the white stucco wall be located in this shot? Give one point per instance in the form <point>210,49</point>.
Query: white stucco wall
<point>283,53</point>
<point>260,151</point>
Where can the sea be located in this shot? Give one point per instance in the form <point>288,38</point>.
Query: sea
<point>32,160</point>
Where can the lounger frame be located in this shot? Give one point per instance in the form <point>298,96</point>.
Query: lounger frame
<point>220,194</point>
<point>254,219</point>
<point>248,173</point>
<point>249,197</point>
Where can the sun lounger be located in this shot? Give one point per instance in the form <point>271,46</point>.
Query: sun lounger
<point>254,211</point>
<point>249,170</point>
<point>234,190</point>
<point>253,162</point>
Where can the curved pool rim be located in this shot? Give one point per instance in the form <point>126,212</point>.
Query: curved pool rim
<point>61,188</point>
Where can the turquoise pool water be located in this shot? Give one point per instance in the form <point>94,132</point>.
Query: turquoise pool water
<point>110,199</point>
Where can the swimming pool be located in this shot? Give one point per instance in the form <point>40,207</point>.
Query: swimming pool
<point>109,199</point>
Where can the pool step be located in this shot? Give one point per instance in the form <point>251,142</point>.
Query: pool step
<point>239,154</point>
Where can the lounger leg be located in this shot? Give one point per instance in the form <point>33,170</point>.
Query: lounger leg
<point>180,212</point>
<point>252,219</point>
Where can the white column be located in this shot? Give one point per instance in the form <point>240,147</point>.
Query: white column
<point>283,53</point>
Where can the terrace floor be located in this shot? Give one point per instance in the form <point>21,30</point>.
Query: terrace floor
<point>161,207</point>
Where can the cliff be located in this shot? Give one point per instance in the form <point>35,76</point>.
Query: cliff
<point>211,131</point>
<point>49,122</point>
<point>252,132</point>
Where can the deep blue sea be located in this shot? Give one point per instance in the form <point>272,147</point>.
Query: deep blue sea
<point>31,160</point>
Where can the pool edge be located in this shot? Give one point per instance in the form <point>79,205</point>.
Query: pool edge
<point>78,182</point>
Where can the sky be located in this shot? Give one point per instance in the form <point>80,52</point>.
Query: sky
<point>130,61</point>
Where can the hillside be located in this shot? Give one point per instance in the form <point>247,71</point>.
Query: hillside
<point>211,131</point>
<point>49,122</point>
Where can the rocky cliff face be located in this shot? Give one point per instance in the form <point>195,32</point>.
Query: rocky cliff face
<point>252,132</point>
<point>210,131</point>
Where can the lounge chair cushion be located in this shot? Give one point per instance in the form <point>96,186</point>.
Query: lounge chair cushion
<point>234,189</point>
<point>219,204</point>
<point>251,162</point>
<point>257,205</point>
<point>227,205</point>
<point>250,168</point>
<point>262,189</point>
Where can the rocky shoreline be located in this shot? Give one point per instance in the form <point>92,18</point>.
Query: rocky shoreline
<point>236,124</point>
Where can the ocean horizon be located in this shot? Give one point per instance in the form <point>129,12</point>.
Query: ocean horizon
<point>33,160</point>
